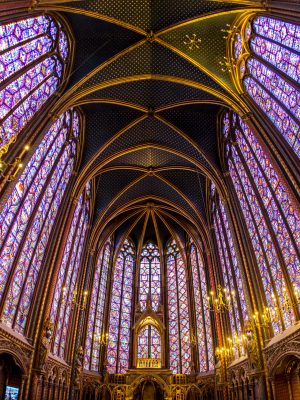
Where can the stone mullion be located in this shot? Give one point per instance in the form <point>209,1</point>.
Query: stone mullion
<point>30,185</point>
<point>105,324</point>
<point>270,229</point>
<point>275,100</point>
<point>231,266</point>
<point>253,276</point>
<point>29,224</point>
<point>178,313</point>
<point>165,309</point>
<point>206,333</point>
<point>277,144</point>
<point>92,282</point>
<point>261,244</point>
<point>77,312</point>
<point>224,317</point>
<point>192,311</point>
<point>37,242</point>
<point>274,196</point>
<point>76,232</point>
<point>132,316</point>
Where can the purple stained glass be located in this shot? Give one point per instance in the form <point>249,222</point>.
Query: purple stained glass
<point>28,218</point>
<point>149,343</point>
<point>280,117</point>
<point>150,281</point>
<point>96,312</point>
<point>238,46</point>
<point>120,312</point>
<point>279,31</point>
<point>24,46</point>
<point>203,322</point>
<point>272,221</point>
<point>178,308</point>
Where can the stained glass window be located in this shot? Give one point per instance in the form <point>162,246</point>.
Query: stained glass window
<point>231,273</point>
<point>120,312</point>
<point>273,71</point>
<point>150,276</point>
<point>203,322</point>
<point>32,58</point>
<point>95,332</point>
<point>65,295</point>
<point>178,308</point>
<point>149,342</point>
<point>27,218</point>
<point>273,223</point>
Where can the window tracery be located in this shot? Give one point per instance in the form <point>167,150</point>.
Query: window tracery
<point>120,310</point>
<point>150,276</point>
<point>32,62</point>
<point>28,216</point>
<point>178,309</point>
<point>271,220</point>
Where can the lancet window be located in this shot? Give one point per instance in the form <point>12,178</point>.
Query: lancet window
<point>150,281</point>
<point>66,288</point>
<point>270,216</point>
<point>233,289</point>
<point>28,216</point>
<point>149,343</point>
<point>120,310</point>
<point>202,311</point>
<point>178,309</point>
<point>95,329</point>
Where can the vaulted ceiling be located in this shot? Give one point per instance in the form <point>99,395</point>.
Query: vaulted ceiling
<point>147,76</point>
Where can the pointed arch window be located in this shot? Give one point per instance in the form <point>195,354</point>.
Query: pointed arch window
<point>66,288</point>
<point>33,53</point>
<point>231,272</point>
<point>178,308</point>
<point>149,343</point>
<point>272,74</point>
<point>95,332</point>
<point>120,312</point>
<point>150,276</point>
<point>27,218</point>
<point>203,320</point>
<point>271,219</point>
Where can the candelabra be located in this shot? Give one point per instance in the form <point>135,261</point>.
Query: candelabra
<point>13,167</point>
<point>102,338</point>
<point>225,352</point>
<point>78,301</point>
<point>222,301</point>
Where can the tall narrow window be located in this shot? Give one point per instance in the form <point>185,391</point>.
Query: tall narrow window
<point>203,327</point>
<point>272,221</point>
<point>120,312</point>
<point>231,272</point>
<point>28,216</point>
<point>272,74</point>
<point>150,276</point>
<point>95,332</point>
<point>32,60</point>
<point>178,307</point>
<point>65,295</point>
<point>149,343</point>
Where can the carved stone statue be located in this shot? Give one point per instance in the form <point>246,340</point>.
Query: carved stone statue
<point>78,366</point>
<point>45,343</point>
<point>251,345</point>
